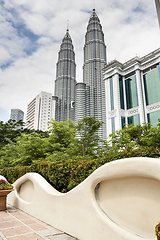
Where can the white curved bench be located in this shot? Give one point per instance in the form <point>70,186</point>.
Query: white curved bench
<point>120,200</point>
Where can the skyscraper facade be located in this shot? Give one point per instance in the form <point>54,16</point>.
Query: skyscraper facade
<point>132,91</point>
<point>94,61</point>
<point>17,114</point>
<point>80,101</point>
<point>40,111</point>
<point>65,81</point>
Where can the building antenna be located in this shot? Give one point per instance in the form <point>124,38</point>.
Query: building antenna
<point>67,25</point>
<point>94,5</point>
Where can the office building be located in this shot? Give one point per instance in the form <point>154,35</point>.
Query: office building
<point>65,81</point>
<point>40,111</point>
<point>17,114</point>
<point>80,101</point>
<point>94,61</point>
<point>132,91</point>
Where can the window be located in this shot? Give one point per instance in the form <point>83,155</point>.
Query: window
<point>111,93</point>
<point>113,124</point>
<point>134,120</point>
<point>121,91</point>
<point>152,86</point>
<point>123,121</point>
<point>131,92</point>
<point>153,117</point>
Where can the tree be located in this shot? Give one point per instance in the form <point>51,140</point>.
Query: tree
<point>153,137</point>
<point>87,129</point>
<point>8,154</point>
<point>62,135</point>
<point>130,137</point>
<point>24,149</point>
<point>7,131</point>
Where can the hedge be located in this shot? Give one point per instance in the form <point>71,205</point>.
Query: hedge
<point>66,174</point>
<point>63,175</point>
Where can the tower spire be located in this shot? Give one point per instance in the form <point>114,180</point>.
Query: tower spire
<point>67,25</point>
<point>94,5</point>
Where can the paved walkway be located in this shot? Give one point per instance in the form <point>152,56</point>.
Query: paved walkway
<point>17,225</point>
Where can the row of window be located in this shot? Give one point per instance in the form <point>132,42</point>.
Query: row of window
<point>151,81</point>
<point>152,119</point>
<point>130,120</point>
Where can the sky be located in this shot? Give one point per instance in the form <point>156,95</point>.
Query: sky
<point>31,32</point>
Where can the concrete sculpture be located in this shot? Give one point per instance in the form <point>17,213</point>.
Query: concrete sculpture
<point>120,200</point>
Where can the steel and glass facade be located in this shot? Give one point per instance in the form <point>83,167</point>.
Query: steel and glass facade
<point>17,114</point>
<point>152,94</point>
<point>65,81</point>
<point>132,91</point>
<point>94,61</point>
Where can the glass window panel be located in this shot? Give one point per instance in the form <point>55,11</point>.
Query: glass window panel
<point>121,92</point>
<point>113,124</point>
<point>111,93</point>
<point>131,92</point>
<point>152,86</point>
<point>134,120</point>
<point>153,117</point>
<point>123,121</point>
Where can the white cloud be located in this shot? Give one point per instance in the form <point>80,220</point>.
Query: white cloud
<point>44,40</point>
<point>11,44</point>
<point>26,78</point>
<point>4,56</point>
<point>130,28</point>
<point>35,22</point>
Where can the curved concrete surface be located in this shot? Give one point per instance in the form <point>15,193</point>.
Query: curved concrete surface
<point>120,200</point>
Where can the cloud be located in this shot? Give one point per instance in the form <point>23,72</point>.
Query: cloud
<point>4,57</point>
<point>31,33</point>
<point>11,44</point>
<point>35,22</point>
<point>26,78</point>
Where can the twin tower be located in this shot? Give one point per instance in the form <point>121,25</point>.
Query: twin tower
<point>77,100</point>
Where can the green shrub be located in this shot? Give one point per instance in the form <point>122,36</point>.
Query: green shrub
<point>66,174</point>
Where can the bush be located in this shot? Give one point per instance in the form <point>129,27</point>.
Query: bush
<point>66,174</point>
<point>63,175</point>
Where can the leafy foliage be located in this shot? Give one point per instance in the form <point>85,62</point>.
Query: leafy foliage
<point>62,137</point>
<point>157,230</point>
<point>133,137</point>
<point>88,139</point>
<point>4,185</point>
<point>70,153</point>
<point>7,131</point>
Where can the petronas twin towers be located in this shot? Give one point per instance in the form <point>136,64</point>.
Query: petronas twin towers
<point>77,100</point>
<point>65,81</point>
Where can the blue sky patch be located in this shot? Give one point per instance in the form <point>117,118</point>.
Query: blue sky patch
<point>31,39</point>
<point>32,44</point>
<point>4,66</point>
<point>128,20</point>
<point>138,9</point>
<point>86,11</point>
